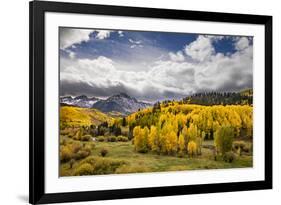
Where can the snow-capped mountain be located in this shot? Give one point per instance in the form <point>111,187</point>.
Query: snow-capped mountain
<point>121,102</point>
<point>80,101</point>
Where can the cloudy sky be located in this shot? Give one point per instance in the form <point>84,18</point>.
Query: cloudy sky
<point>152,65</point>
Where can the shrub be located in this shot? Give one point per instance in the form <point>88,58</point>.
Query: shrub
<point>99,165</point>
<point>100,138</point>
<point>75,146</point>
<point>65,153</point>
<point>64,132</point>
<point>86,137</point>
<point>75,150</point>
<point>229,157</point>
<point>62,141</point>
<point>224,139</point>
<point>192,148</point>
<point>103,152</point>
<point>121,138</point>
<point>180,154</point>
<point>78,135</point>
<point>71,162</point>
<point>83,169</point>
<point>90,145</point>
<point>239,144</point>
<point>247,148</point>
<point>117,131</point>
<point>81,154</point>
<point>111,139</point>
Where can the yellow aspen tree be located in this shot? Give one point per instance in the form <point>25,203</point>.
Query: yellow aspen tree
<point>203,135</point>
<point>171,142</point>
<point>184,132</point>
<point>141,139</point>
<point>192,132</point>
<point>137,137</point>
<point>164,135</point>
<point>192,148</point>
<point>144,144</point>
<point>153,138</point>
<point>181,144</point>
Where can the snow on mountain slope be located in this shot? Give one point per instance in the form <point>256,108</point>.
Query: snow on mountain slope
<point>79,101</point>
<point>121,102</point>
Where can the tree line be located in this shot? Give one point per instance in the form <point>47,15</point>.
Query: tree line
<point>220,98</point>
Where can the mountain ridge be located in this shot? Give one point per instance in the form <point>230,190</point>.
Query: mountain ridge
<point>120,102</point>
<point>79,101</point>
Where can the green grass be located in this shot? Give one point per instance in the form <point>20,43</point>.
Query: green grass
<point>152,162</point>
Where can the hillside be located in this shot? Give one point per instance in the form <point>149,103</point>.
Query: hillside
<point>244,97</point>
<point>77,116</point>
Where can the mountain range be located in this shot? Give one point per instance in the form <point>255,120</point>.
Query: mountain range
<point>79,101</point>
<point>121,103</point>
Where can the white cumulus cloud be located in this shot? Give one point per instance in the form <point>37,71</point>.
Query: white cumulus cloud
<point>178,56</point>
<point>201,49</point>
<point>121,34</point>
<point>242,43</point>
<point>69,37</point>
<point>103,34</point>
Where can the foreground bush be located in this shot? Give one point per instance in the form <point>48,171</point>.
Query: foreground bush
<point>75,150</point>
<point>238,146</point>
<point>68,151</point>
<point>83,169</point>
<point>83,153</point>
<point>111,139</point>
<point>248,148</point>
<point>100,138</point>
<point>121,138</point>
<point>65,153</point>
<point>229,157</point>
<point>97,165</point>
<point>86,138</point>
<point>103,152</point>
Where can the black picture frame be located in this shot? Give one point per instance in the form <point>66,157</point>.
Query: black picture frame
<point>37,11</point>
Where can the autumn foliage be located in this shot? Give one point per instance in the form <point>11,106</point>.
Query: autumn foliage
<point>181,128</point>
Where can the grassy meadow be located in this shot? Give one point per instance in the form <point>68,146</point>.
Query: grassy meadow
<point>150,162</point>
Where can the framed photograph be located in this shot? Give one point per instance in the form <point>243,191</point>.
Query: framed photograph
<point>140,102</point>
